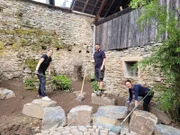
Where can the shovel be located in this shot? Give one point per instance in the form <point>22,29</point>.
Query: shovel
<point>117,129</point>
<point>80,97</point>
<point>49,78</point>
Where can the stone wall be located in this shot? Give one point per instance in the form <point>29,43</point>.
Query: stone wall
<point>28,28</point>
<point>116,69</point>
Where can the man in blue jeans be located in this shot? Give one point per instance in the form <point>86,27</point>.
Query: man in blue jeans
<point>99,59</point>
<point>42,66</point>
<point>136,90</point>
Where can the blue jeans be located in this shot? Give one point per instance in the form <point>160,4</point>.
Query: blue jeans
<point>147,101</point>
<point>42,85</point>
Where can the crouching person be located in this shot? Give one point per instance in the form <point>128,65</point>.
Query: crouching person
<point>136,90</point>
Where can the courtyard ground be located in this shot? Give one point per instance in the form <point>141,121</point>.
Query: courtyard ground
<point>13,121</point>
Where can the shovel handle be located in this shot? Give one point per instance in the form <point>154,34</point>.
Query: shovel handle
<point>134,108</point>
<point>83,81</point>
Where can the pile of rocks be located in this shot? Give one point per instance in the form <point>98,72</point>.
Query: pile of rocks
<point>81,120</point>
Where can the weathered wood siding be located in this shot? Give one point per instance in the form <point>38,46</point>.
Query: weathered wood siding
<point>123,31</point>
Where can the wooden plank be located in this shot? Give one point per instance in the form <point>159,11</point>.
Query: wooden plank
<point>133,29</point>
<point>118,46</point>
<point>104,36</point>
<point>85,5</point>
<point>97,34</point>
<point>109,34</point>
<point>95,6</point>
<point>115,15</point>
<point>130,30</point>
<point>114,34</point>
<point>136,27</point>
<point>100,10</point>
<point>123,32</point>
<point>109,7</point>
<point>100,36</point>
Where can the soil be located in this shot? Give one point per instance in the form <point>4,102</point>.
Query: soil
<point>12,121</point>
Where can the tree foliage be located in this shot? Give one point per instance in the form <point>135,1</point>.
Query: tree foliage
<point>166,56</point>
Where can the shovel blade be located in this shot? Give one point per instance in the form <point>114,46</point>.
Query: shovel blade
<point>79,98</point>
<point>116,129</point>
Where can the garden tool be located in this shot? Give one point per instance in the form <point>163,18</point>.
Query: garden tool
<point>117,129</point>
<point>49,77</point>
<point>80,97</point>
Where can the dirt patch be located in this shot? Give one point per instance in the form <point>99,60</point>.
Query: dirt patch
<point>12,119</point>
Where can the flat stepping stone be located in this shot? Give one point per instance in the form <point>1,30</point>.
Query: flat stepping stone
<point>36,107</point>
<point>102,100</point>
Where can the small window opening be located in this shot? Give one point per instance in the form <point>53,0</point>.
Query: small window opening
<point>131,69</point>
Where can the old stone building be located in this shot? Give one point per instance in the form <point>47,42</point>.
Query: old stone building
<point>28,28</point>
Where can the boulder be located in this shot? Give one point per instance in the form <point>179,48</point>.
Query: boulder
<point>101,100</point>
<point>36,107</point>
<point>1,74</point>
<point>165,130</point>
<point>53,117</point>
<point>143,122</point>
<point>162,116</point>
<point>6,94</point>
<point>108,116</point>
<point>80,115</point>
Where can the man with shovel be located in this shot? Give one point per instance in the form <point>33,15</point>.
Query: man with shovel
<point>99,59</point>
<point>42,66</point>
<point>136,90</point>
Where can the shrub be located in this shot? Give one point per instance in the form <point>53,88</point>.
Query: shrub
<point>30,84</point>
<point>31,63</point>
<point>94,85</point>
<point>61,82</point>
<point>166,56</point>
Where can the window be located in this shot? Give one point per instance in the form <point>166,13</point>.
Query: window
<point>130,69</point>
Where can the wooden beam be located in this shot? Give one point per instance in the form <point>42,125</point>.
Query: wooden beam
<point>109,8</point>
<point>85,5</point>
<point>100,10</point>
<point>73,4</point>
<point>115,15</point>
<point>95,7</point>
<point>80,1</point>
<point>81,8</point>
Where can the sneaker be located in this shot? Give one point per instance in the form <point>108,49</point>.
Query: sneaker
<point>46,98</point>
<point>98,93</point>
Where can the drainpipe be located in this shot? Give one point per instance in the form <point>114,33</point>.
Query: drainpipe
<point>94,37</point>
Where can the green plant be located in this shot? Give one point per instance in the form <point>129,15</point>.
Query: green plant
<point>61,82</point>
<point>1,48</point>
<point>138,3</point>
<point>94,85</point>
<point>30,84</point>
<point>92,77</point>
<point>31,63</point>
<point>166,57</point>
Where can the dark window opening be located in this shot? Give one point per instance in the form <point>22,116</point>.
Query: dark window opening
<point>131,69</point>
